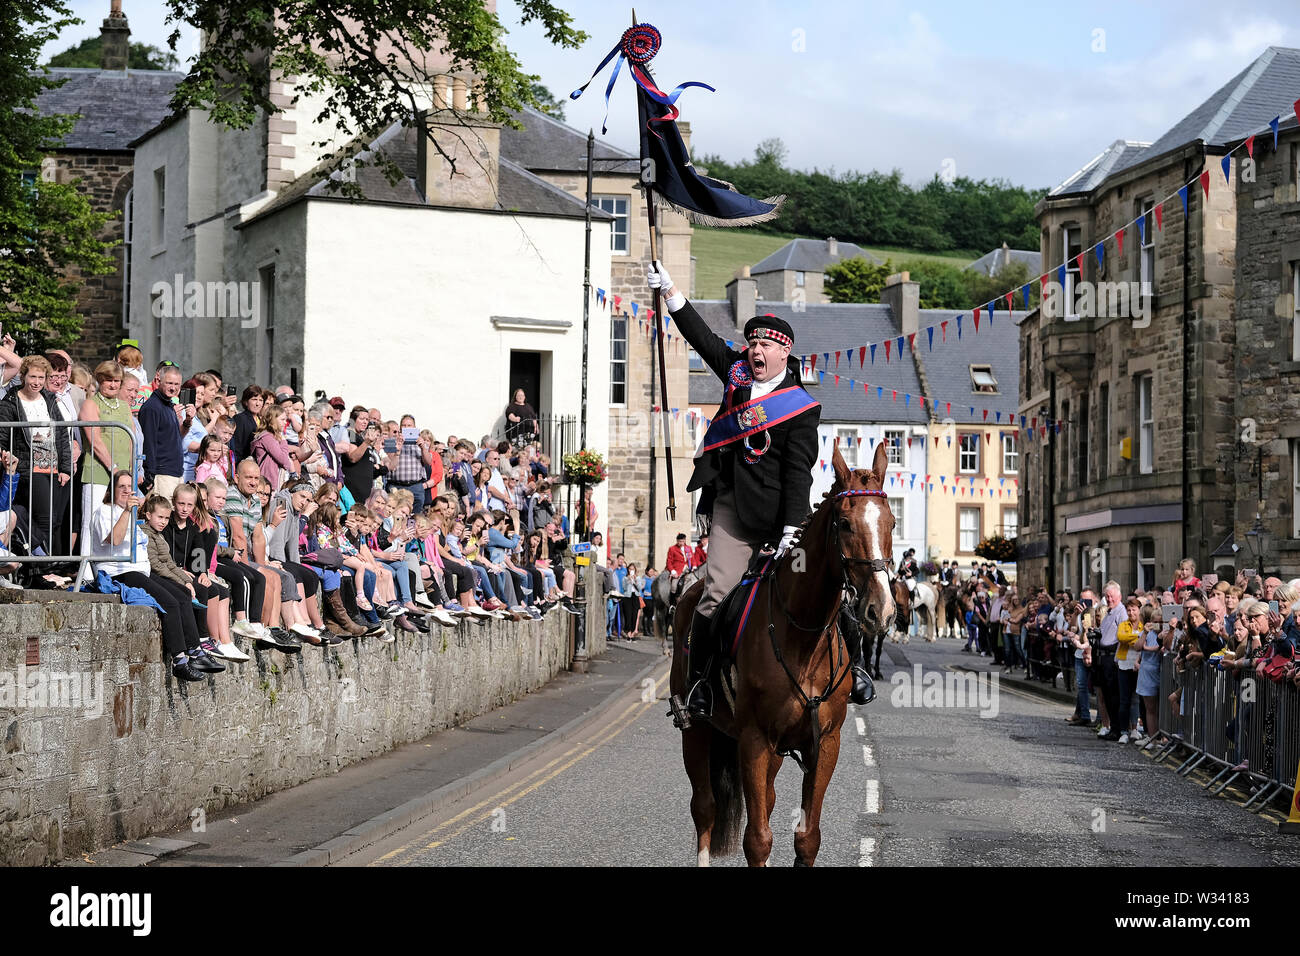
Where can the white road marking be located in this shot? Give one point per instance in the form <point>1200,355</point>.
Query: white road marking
<point>862,726</point>
<point>866,852</point>
<point>873,796</point>
<point>868,757</point>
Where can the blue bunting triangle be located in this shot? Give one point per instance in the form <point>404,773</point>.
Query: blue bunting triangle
<point>1100,249</point>
<point>959,326</point>
<point>634,310</point>
<point>1142,230</point>
<point>1182,194</point>
<point>1273,126</point>
<point>873,353</point>
<point>930,333</point>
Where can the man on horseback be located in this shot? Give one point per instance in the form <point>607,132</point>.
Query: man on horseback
<point>754,467</point>
<point>908,569</point>
<point>680,560</point>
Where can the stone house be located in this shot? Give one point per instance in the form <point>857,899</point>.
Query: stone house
<point>1265,463</point>
<point>113,106</point>
<point>797,271</point>
<point>1137,356</point>
<point>992,262</point>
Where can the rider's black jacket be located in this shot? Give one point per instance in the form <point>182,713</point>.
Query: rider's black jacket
<point>773,491</point>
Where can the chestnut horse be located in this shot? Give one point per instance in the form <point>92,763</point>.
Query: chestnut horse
<point>788,688</point>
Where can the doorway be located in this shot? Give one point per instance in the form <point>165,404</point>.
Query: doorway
<point>526,373</point>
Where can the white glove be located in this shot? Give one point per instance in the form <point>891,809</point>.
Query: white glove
<point>787,538</point>
<point>657,277</point>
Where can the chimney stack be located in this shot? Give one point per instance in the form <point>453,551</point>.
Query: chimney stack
<point>903,296</point>
<point>742,293</point>
<point>466,135</point>
<point>832,247</point>
<point>115,36</point>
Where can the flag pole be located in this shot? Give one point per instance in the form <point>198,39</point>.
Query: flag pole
<point>653,221</point>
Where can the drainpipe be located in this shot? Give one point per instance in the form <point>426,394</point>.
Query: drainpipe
<point>1187,361</point>
<point>1050,582</point>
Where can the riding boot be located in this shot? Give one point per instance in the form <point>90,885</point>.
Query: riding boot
<point>699,695</point>
<point>864,691</point>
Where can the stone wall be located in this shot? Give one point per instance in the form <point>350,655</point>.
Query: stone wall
<point>149,751</point>
<point>104,181</point>
<point>1267,403</point>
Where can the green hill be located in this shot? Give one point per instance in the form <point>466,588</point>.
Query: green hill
<point>720,252</point>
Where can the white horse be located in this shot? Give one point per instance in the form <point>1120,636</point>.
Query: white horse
<point>924,599</point>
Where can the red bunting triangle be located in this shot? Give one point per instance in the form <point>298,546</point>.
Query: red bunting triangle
<point>862,355</point>
<point>1205,183</point>
<point>887,341</point>
<point>1119,242</point>
<point>911,341</point>
<point>812,362</point>
<point>895,393</point>
<point>1078,262</point>
<point>1250,145</point>
<point>1160,216</point>
<point>1042,288</point>
<point>936,441</point>
<point>837,378</point>
<point>837,361</point>
<point>943,326</point>
<point>977,319</point>
<point>1011,302</point>
<point>1296,106</point>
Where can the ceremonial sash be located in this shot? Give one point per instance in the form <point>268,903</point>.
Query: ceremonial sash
<point>757,415</point>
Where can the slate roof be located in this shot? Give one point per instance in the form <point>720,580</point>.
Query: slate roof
<point>518,190</point>
<point>839,326</point>
<point>995,260</point>
<point>947,366</point>
<point>115,106</point>
<point>1242,106</point>
<point>809,255</point>
<point>828,328</point>
<point>548,144</point>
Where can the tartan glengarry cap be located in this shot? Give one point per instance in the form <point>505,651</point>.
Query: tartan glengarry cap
<point>769,327</point>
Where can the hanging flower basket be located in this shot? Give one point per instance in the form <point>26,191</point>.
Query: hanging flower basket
<point>585,467</point>
<point>997,548</point>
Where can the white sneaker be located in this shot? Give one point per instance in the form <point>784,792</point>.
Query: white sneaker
<point>420,598</point>
<point>305,630</point>
<point>442,617</point>
<point>1103,731</point>
<point>1123,738</point>
<point>479,611</point>
<point>231,653</point>
<point>1138,739</point>
<point>245,629</point>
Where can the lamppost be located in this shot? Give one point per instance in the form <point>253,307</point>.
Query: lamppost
<point>1258,539</point>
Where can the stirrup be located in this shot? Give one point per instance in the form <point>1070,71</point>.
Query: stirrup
<point>857,673</point>
<point>703,711</point>
<point>678,712</point>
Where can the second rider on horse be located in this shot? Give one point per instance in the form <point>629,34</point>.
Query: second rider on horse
<point>754,468</point>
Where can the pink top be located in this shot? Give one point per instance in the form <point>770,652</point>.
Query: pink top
<point>272,456</point>
<point>208,470</point>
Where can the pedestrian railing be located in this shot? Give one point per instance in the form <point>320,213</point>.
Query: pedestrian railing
<point>1243,728</point>
<point>42,520</point>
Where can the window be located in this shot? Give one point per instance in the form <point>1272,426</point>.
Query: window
<point>848,449</point>
<point>1103,433</point>
<point>1072,242</point>
<point>159,238</point>
<point>1295,487</point>
<point>1010,453</point>
<point>1146,426</point>
<point>968,525</point>
<point>695,363</point>
<point>1145,551</point>
<point>896,508</point>
<point>156,332</point>
<point>982,380</point>
<point>896,442</point>
<point>265,364</point>
<point>968,453</point>
<point>1083,439</point>
<point>1010,522</point>
<point>799,279</point>
<point>1147,254</point>
<point>616,206</point>
<point>618,360</point>
<point>1295,311</point>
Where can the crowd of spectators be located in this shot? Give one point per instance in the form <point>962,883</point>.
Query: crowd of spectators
<point>256,515</point>
<point>1110,650</point>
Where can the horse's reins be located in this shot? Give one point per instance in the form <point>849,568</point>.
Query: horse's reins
<point>812,704</point>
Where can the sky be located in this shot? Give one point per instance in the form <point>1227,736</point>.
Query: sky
<point>1026,93</point>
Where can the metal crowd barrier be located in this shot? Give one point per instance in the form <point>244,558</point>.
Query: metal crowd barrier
<point>1244,727</point>
<point>45,534</point>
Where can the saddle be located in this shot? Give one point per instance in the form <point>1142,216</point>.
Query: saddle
<point>728,622</point>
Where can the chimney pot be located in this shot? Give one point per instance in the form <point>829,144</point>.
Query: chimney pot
<point>115,37</point>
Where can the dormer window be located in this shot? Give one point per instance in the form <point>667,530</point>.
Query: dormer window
<point>982,380</point>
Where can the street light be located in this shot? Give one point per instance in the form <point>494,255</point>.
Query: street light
<point>1258,539</point>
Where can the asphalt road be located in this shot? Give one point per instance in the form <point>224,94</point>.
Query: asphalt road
<point>932,785</point>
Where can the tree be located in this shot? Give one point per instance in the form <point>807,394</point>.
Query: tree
<point>338,49</point>
<point>856,280</point>
<point>46,228</point>
<point>141,56</point>
<point>942,285</point>
<point>1012,275</point>
<point>546,101</point>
